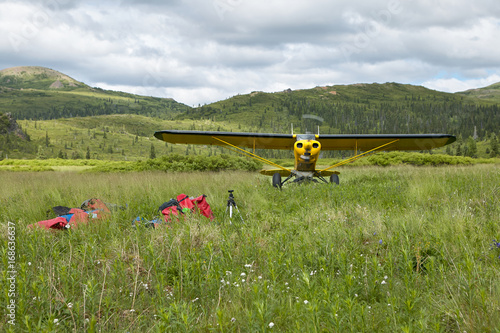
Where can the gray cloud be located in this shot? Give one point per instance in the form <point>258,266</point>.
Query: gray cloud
<point>202,51</point>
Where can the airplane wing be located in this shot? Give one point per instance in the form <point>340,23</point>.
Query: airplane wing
<point>249,140</point>
<point>365,142</point>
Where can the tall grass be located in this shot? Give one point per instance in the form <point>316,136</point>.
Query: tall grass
<point>390,249</point>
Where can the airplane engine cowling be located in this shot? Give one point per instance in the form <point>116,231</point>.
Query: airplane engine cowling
<point>306,154</point>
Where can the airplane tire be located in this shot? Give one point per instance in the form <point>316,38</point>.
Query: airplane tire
<point>334,179</point>
<point>277,180</point>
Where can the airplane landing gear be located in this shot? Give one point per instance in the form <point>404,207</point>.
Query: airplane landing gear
<point>277,180</point>
<point>334,179</point>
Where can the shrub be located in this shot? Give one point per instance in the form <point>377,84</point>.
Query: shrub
<point>176,162</point>
<point>396,158</point>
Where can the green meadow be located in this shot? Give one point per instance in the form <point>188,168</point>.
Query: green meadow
<point>391,249</point>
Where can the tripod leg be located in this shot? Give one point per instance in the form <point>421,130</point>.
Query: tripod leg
<point>239,213</point>
<point>226,213</point>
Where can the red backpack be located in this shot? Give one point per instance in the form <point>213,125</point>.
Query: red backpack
<point>90,210</point>
<point>183,204</point>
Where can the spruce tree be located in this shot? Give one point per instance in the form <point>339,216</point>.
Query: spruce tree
<point>471,147</point>
<point>152,153</point>
<point>40,154</point>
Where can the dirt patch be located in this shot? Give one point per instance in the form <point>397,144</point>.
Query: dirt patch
<point>57,85</point>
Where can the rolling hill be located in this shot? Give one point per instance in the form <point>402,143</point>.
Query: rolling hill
<point>489,93</point>
<point>42,93</point>
<point>65,117</point>
<point>40,78</point>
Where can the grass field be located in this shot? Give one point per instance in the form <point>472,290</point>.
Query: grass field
<point>394,249</point>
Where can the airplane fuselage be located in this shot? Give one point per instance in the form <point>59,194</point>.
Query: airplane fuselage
<point>306,152</point>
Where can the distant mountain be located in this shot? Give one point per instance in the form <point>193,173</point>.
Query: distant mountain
<point>34,77</point>
<point>491,93</point>
<point>41,93</point>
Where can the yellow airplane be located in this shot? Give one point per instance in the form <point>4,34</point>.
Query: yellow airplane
<point>306,148</point>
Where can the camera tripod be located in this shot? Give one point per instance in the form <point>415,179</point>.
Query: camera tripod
<point>232,207</point>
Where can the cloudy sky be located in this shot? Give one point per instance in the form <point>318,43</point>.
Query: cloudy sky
<point>202,51</point>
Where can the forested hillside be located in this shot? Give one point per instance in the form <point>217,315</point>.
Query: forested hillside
<point>13,139</point>
<point>363,108</point>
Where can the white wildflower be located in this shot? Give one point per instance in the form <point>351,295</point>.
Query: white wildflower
<point>271,325</point>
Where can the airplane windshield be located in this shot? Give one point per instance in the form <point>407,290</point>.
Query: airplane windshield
<point>306,137</point>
